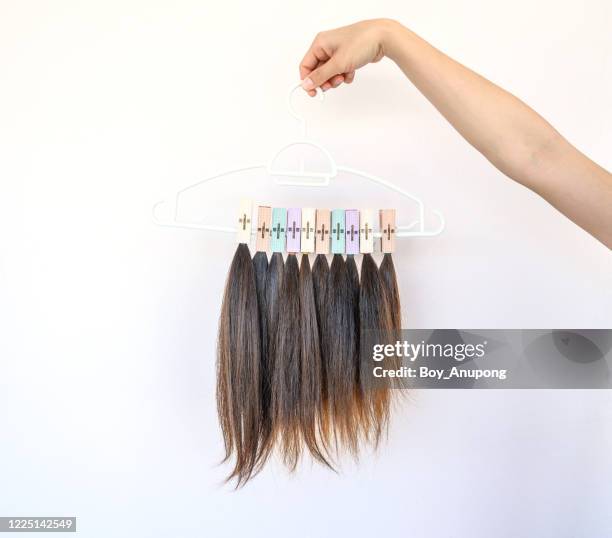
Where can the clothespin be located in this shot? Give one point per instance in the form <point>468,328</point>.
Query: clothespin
<point>244,221</point>
<point>264,223</point>
<point>387,230</point>
<point>294,228</point>
<point>279,229</point>
<point>366,232</point>
<point>308,230</point>
<point>352,231</point>
<point>337,231</point>
<point>322,227</point>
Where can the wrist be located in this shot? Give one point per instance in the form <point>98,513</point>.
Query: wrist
<point>392,33</point>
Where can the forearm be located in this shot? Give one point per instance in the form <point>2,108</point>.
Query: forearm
<point>496,123</point>
<point>517,140</point>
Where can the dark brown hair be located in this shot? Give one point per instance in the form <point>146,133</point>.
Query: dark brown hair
<point>311,404</point>
<point>375,320</point>
<point>353,274</point>
<point>260,267</point>
<point>274,280</point>
<point>289,369</point>
<point>238,367</point>
<point>340,345</point>
<point>286,375</point>
<point>389,280</point>
<point>360,402</point>
<point>320,274</point>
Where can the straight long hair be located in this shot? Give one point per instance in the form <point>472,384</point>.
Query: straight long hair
<point>320,274</point>
<point>238,367</point>
<point>360,402</point>
<point>260,267</point>
<point>273,283</point>
<point>286,375</point>
<point>389,281</point>
<point>311,401</point>
<point>340,337</point>
<point>375,321</point>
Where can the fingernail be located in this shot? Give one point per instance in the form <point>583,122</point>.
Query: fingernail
<point>307,84</point>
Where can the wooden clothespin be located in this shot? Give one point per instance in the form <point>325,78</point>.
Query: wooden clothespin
<point>244,221</point>
<point>366,232</point>
<point>264,224</point>
<point>387,230</point>
<point>322,227</point>
<point>308,230</point>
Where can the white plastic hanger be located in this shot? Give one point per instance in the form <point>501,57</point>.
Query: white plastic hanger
<point>304,178</point>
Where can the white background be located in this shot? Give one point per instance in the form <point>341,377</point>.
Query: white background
<point>108,323</point>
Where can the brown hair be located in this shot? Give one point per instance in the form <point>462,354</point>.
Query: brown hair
<point>374,318</point>
<point>389,280</point>
<point>274,280</point>
<point>320,274</point>
<point>286,375</point>
<point>260,267</point>
<point>339,336</point>
<point>360,401</point>
<point>289,368</point>
<point>311,404</point>
<point>238,367</point>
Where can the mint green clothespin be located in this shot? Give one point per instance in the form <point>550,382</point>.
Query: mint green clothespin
<point>279,229</point>
<point>337,231</point>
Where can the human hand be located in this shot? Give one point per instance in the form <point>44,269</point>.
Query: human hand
<point>335,55</point>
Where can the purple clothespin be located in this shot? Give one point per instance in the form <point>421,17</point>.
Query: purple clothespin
<point>351,227</point>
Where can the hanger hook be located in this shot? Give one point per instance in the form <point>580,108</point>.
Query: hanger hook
<point>294,112</point>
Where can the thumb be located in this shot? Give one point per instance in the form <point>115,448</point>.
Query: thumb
<point>322,74</point>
